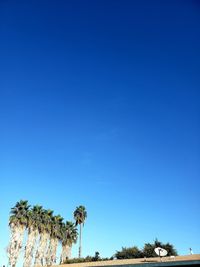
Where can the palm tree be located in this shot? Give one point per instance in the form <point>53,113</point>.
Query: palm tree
<point>69,237</point>
<point>80,214</point>
<point>55,237</point>
<point>44,228</point>
<point>34,217</point>
<point>48,217</point>
<point>17,222</point>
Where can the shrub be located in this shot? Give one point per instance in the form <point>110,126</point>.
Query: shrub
<point>128,253</point>
<point>148,250</point>
<point>96,257</point>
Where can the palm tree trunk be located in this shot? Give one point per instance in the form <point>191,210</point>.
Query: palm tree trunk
<point>80,249</point>
<point>16,244</point>
<point>22,229</point>
<point>41,250</point>
<point>12,245</point>
<point>65,254</point>
<point>49,252</point>
<point>17,235</point>
<point>30,245</point>
<point>69,252</point>
<point>54,250</point>
<point>44,249</point>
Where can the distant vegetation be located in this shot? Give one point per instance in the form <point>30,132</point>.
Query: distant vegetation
<point>130,253</point>
<point>147,251</point>
<point>96,257</point>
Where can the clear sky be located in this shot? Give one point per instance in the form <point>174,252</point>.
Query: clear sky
<point>99,106</point>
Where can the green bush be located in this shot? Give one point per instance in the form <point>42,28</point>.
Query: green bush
<point>128,253</point>
<point>75,260</point>
<point>96,257</point>
<point>148,250</point>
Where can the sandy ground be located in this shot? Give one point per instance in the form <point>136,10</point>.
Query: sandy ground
<point>132,261</point>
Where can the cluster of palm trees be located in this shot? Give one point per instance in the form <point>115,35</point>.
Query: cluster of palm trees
<point>44,232</point>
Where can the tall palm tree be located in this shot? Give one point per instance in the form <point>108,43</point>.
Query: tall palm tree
<point>80,214</point>
<point>44,228</point>
<point>34,217</point>
<point>69,237</point>
<point>48,217</point>
<point>55,237</point>
<point>17,222</point>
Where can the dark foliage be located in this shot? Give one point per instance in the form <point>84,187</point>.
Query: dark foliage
<point>129,253</point>
<point>96,257</point>
<point>147,251</point>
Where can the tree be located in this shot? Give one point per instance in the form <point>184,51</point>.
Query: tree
<point>80,214</point>
<point>128,253</point>
<point>96,256</point>
<point>17,222</point>
<point>171,251</point>
<point>69,237</point>
<point>55,237</point>
<point>44,228</point>
<point>148,250</point>
<point>33,221</point>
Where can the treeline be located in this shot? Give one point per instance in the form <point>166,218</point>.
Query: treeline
<point>130,253</point>
<point>147,251</point>
<point>96,257</point>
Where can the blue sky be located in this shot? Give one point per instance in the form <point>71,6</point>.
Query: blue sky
<point>99,106</point>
